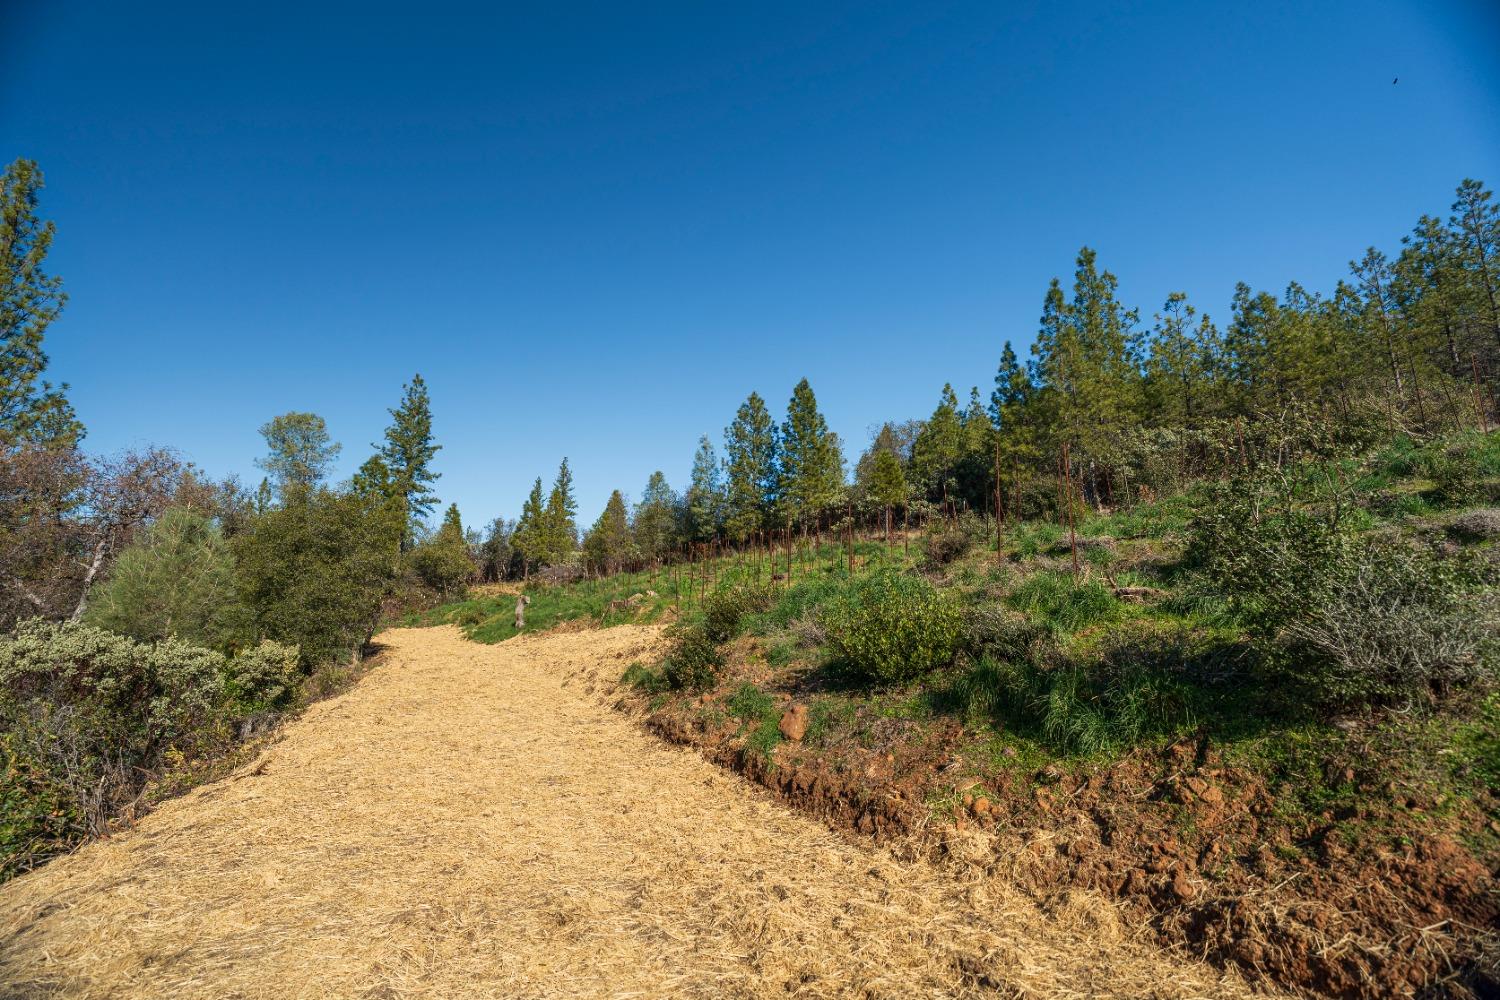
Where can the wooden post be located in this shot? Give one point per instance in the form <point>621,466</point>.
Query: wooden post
<point>1072,532</point>
<point>1484,420</point>
<point>999,513</point>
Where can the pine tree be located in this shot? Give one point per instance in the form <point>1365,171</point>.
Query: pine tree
<point>300,451</point>
<point>1013,410</point>
<point>1476,224</point>
<point>530,538</point>
<point>812,466</point>
<point>887,484</point>
<point>608,544</point>
<point>1180,368</point>
<point>656,518</point>
<point>935,453</point>
<point>443,561</point>
<point>408,452</point>
<point>705,495</point>
<point>560,529</point>
<point>750,462</point>
<point>974,474</point>
<point>32,411</point>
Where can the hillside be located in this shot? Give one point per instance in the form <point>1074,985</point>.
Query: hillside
<point>1130,729</point>
<point>475,821</point>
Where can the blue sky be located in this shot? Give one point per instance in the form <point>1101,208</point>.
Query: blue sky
<point>595,229</point>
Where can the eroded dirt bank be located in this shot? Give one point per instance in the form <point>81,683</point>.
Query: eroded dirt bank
<point>474,821</point>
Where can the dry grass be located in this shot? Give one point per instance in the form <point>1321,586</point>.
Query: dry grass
<point>474,821</point>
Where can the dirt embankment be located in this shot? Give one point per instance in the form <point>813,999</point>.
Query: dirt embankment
<point>1192,850</point>
<point>475,821</point>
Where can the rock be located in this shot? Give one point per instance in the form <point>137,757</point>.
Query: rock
<point>1182,888</point>
<point>794,723</point>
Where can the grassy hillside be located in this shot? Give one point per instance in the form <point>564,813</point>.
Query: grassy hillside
<point>1286,679</point>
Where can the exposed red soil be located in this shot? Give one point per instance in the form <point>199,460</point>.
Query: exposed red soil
<point>1197,849</point>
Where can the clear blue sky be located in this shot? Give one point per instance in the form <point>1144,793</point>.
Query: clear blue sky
<point>595,229</point>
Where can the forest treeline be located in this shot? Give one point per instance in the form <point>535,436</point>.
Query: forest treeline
<point>1405,344</point>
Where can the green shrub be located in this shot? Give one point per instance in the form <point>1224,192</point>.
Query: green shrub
<point>694,661</point>
<point>264,676</point>
<point>314,570</point>
<point>726,608</point>
<point>1392,625</point>
<point>87,713</point>
<point>177,581</point>
<point>38,814</point>
<point>1349,620</point>
<point>892,628</point>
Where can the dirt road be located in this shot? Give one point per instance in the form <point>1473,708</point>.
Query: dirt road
<point>474,821</point>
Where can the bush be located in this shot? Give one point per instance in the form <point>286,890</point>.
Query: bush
<point>1393,625</point>
<point>264,676</point>
<point>314,571</point>
<point>177,581</point>
<point>947,542</point>
<point>725,609</point>
<point>1476,525</point>
<point>694,662</point>
<point>86,713</point>
<point>1349,620</point>
<point>891,628</point>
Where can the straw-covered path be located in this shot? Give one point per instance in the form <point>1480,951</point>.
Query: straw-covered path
<point>475,821</point>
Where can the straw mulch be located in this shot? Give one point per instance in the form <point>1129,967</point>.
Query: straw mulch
<point>475,821</point>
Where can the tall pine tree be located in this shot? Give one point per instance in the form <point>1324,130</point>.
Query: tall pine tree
<point>750,463</point>
<point>812,467</point>
<point>408,452</point>
<point>32,411</point>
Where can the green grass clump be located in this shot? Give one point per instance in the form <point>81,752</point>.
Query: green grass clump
<point>758,711</point>
<point>1055,599</point>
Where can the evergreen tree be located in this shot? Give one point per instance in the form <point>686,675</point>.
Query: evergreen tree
<point>750,462</point>
<point>560,529</point>
<point>1181,366</point>
<point>1476,225</point>
<point>300,452</point>
<point>443,561</point>
<point>656,518</point>
<point>812,466</point>
<point>530,536</point>
<point>608,545</point>
<point>1013,410</point>
<point>496,550</point>
<point>32,411</point>
<point>408,452</point>
<point>974,474</point>
<point>705,495</point>
<point>887,487</point>
<point>935,453</point>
